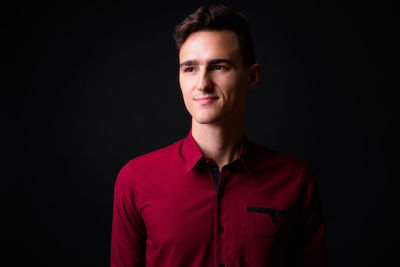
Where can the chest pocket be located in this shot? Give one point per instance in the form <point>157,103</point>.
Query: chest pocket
<point>265,221</point>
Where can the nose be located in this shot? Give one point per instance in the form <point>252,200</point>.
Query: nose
<point>204,82</point>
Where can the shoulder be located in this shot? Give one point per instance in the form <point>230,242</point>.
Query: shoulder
<point>151,160</point>
<point>267,158</point>
<point>160,155</point>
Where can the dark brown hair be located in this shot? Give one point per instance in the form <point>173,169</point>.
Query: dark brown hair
<point>218,17</point>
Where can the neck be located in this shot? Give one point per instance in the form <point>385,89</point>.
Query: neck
<point>217,142</point>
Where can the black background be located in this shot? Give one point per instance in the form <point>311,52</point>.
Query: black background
<point>91,85</point>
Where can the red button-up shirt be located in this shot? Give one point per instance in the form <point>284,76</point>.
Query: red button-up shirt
<point>264,211</point>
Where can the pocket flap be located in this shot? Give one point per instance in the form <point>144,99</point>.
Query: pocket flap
<point>275,214</point>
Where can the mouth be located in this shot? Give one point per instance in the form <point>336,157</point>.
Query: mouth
<point>206,100</point>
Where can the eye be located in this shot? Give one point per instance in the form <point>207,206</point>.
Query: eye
<point>219,67</point>
<point>189,69</point>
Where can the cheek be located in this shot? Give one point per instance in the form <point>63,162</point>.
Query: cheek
<point>186,98</point>
<point>230,80</point>
<point>183,88</point>
<point>238,85</point>
<point>186,85</point>
<point>232,87</point>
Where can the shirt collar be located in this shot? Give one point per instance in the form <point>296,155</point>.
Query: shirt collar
<point>192,153</point>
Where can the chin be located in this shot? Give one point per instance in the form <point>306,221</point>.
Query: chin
<point>205,119</point>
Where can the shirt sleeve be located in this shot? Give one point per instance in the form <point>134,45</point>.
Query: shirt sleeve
<point>128,237</point>
<point>312,222</point>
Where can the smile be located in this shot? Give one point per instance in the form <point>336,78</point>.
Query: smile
<point>206,100</point>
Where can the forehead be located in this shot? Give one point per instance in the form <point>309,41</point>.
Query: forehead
<point>205,45</point>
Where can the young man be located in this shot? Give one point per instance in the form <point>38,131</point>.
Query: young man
<point>215,198</point>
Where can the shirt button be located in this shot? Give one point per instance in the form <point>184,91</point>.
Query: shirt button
<point>221,265</point>
<point>221,229</point>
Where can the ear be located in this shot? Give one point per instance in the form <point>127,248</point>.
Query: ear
<point>254,74</point>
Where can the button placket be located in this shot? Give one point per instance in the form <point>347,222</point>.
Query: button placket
<point>222,219</point>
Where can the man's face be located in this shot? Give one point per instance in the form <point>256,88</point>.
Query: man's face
<point>212,77</point>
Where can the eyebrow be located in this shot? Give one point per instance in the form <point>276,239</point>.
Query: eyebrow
<point>210,62</point>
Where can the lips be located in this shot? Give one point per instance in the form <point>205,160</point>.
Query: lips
<point>206,100</point>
